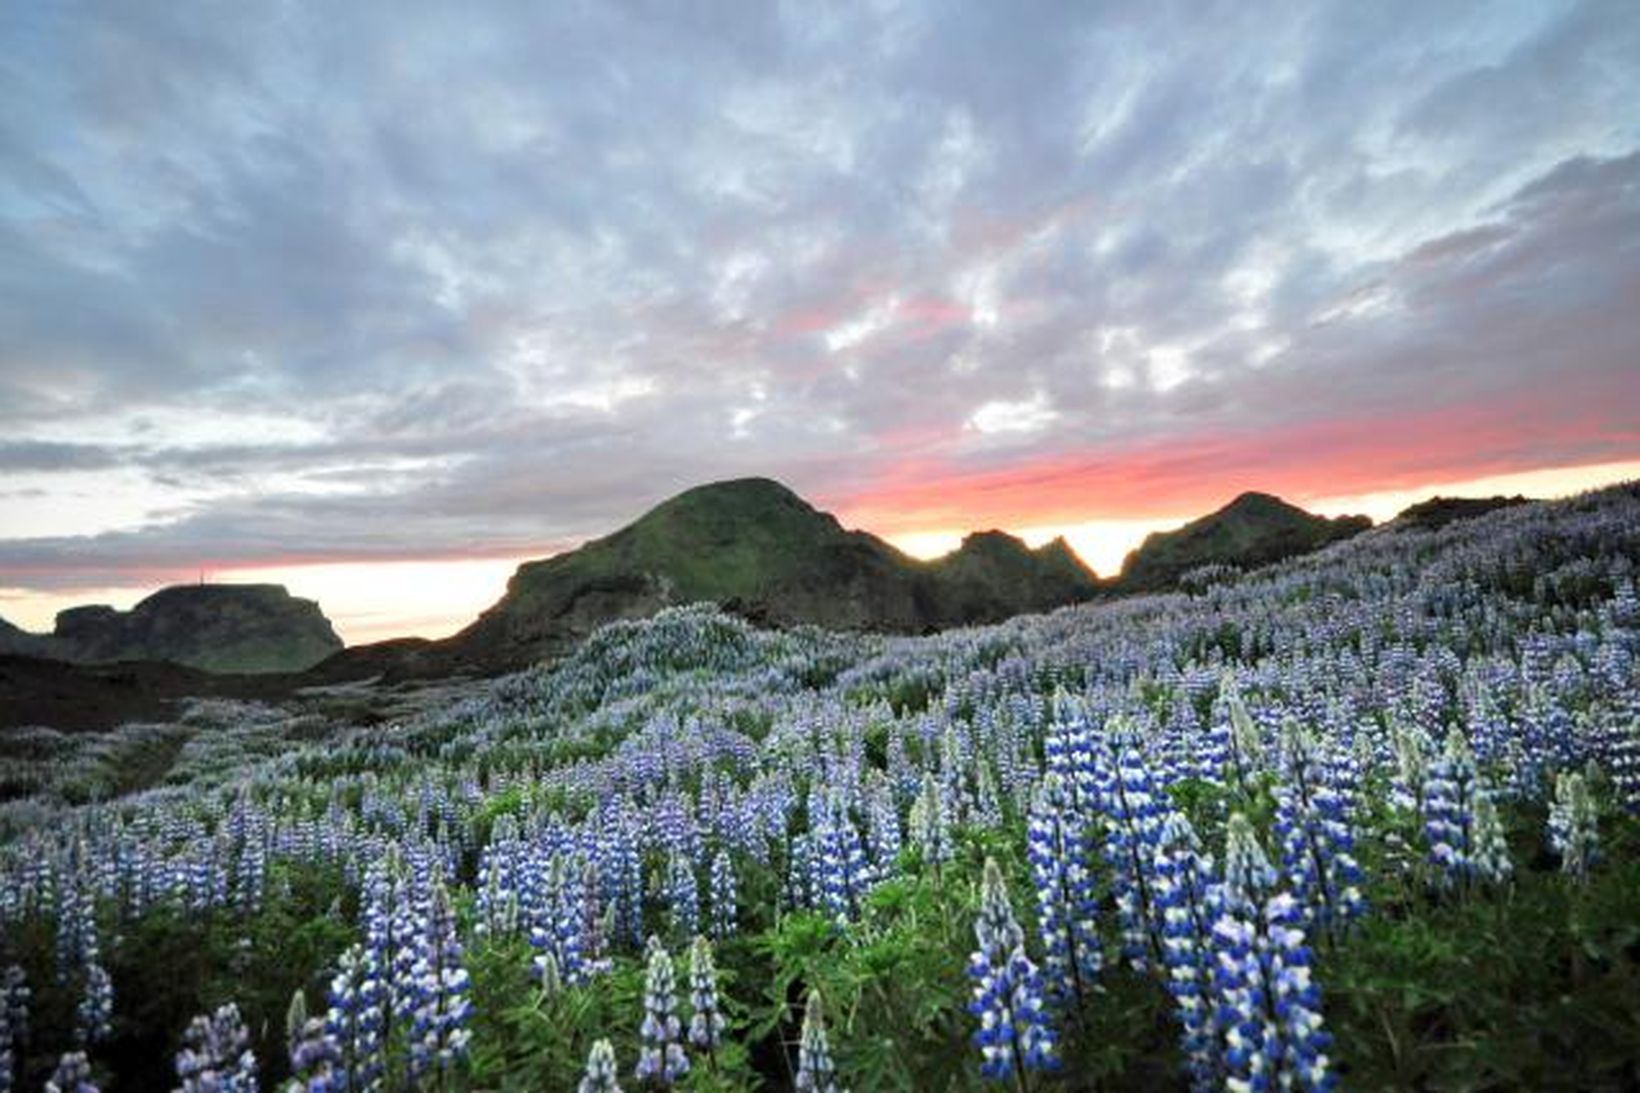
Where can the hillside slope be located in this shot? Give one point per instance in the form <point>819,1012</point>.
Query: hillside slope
<point>1253,530</point>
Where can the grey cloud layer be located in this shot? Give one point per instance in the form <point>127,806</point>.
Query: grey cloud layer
<point>528,269</point>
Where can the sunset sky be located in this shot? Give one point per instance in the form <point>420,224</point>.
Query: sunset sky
<point>377,300</point>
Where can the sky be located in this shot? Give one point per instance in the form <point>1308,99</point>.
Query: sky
<point>378,299</point>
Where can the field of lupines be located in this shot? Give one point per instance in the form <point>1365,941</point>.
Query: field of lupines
<point>1367,820</point>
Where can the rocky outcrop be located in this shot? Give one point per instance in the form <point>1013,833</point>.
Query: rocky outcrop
<point>250,628</point>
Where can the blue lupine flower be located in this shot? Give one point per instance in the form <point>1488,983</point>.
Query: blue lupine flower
<point>216,1055</point>
<point>930,823</point>
<point>1188,899</point>
<point>73,1075</point>
<point>841,873</point>
<point>1014,1035</point>
<point>1317,845</point>
<point>1248,874</point>
<point>600,1075</point>
<point>1269,1006</point>
<point>1453,789</point>
<point>1067,908</point>
<point>557,930</point>
<point>661,1060</point>
<point>816,1072</point>
<point>705,1022</point>
<point>682,896</point>
<point>1135,806</point>
<point>357,1019</point>
<point>438,1031</point>
<point>315,1058</point>
<point>1574,829</point>
<point>94,1015</point>
<point>725,898</point>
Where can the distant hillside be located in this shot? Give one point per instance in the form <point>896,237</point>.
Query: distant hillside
<point>755,547</point>
<point>1437,512</point>
<point>252,628</point>
<point>1255,529</point>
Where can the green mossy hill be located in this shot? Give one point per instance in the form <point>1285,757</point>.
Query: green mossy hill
<point>249,628</point>
<point>756,548</point>
<point>1253,530</point>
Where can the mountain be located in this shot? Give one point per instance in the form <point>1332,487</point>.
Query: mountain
<point>756,548</point>
<point>1437,512</point>
<point>250,628</point>
<point>1253,530</point>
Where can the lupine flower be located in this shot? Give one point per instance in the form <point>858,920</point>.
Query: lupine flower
<point>1135,806</point>
<point>816,1073</point>
<point>216,1056</point>
<point>931,823</point>
<point>725,899</point>
<point>682,896</point>
<point>1189,899</point>
<point>1491,852</point>
<point>357,1019</point>
<point>841,872</point>
<point>1317,845</point>
<point>556,933</point>
<point>1453,789</point>
<point>600,1075</point>
<point>73,1075</point>
<point>94,1016</point>
<point>1067,908</point>
<point>14,1002</point>
<point>1268,1004</point>
<point>661,1060</point>
<point>314,1056</point>
<point>438,1032</point>
<point>1248,874</point>
<point>705,1023</point>
<point>1574,831</point>
<point>1013,1035</point>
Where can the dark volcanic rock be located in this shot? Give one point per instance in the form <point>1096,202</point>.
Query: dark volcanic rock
<point>1437,512</point>
<point>1253,530</point>
<point>217,628</point>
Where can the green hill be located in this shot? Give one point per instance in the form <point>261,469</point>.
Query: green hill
<point>757,548</point>
<point>1253,530</point>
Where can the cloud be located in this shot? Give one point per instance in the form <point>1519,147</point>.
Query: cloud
<point>376,282</point>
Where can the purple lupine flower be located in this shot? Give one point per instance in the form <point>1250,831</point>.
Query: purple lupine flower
<point>438,1030</point>
<point>816,1072</point>
<point>725,898</point>
<point>661,1061</point>
<point>1014,1035</point>
<point>1269,1005</point>
<point>1135,806</point>
<point>216,1056</point>
<point>1058,847</point>
<point>1189,899</point>
<point>1574,829</point>
<point>73,1075</point>
<point>600,1075</point>
<point>1317,844</point>
<point>357,1019</point>
<point>94,1015</point>
<point>705,1021</point>
<point>682,896</point>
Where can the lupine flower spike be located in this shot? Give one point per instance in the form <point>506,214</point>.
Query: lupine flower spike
<point>816,1073</point>
<point>1013,1035</point>
<point>600,1075</point>
<point>661,1062</point>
